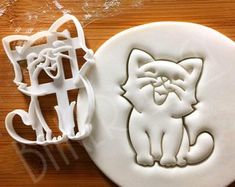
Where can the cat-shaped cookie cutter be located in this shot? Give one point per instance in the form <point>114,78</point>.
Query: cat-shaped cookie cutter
<point>48,57</point>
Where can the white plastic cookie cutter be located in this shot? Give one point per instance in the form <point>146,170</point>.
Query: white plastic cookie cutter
<point>48,57</point>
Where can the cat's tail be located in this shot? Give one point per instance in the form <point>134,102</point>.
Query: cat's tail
<point>196,153</point>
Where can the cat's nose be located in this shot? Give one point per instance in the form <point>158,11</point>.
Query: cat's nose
<point>158,82</point>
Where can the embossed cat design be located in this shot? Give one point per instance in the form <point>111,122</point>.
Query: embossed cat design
<point>162,93</point>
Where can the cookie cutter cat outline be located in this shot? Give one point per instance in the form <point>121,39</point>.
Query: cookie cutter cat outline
<point>48,57</point>
<point>156,126</point>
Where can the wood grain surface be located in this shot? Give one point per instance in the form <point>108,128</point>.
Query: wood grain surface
<point>68,164</point>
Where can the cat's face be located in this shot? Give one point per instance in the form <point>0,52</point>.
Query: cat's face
<point>42,51</point>
<point>163,83</point>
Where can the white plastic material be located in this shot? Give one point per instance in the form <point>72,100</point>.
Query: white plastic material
<point>48,57</point>
<point>164,113</point>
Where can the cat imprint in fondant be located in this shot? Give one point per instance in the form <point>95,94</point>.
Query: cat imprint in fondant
<point>162,93</point>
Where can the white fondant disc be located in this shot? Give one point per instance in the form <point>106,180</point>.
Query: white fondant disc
<point>165,99</point>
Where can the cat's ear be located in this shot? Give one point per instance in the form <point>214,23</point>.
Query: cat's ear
<point>136,59</point>
<point>194,67</point>
<point>13,46</point>
<point>61,26</point>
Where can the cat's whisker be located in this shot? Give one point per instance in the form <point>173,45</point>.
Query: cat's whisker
<point>144,81</point>
<point>179,83</point>
<point>177,90</point>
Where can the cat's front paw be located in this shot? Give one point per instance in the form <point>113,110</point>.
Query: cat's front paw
<point>48,135</point>
<point>157,156</point>
<point>168,161</point>
<point>40,138</point>
<point>145,160</point>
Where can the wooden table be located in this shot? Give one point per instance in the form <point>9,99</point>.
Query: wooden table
<point>68,164</point>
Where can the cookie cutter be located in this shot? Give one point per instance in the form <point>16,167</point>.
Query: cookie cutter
<point>48,58</point>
